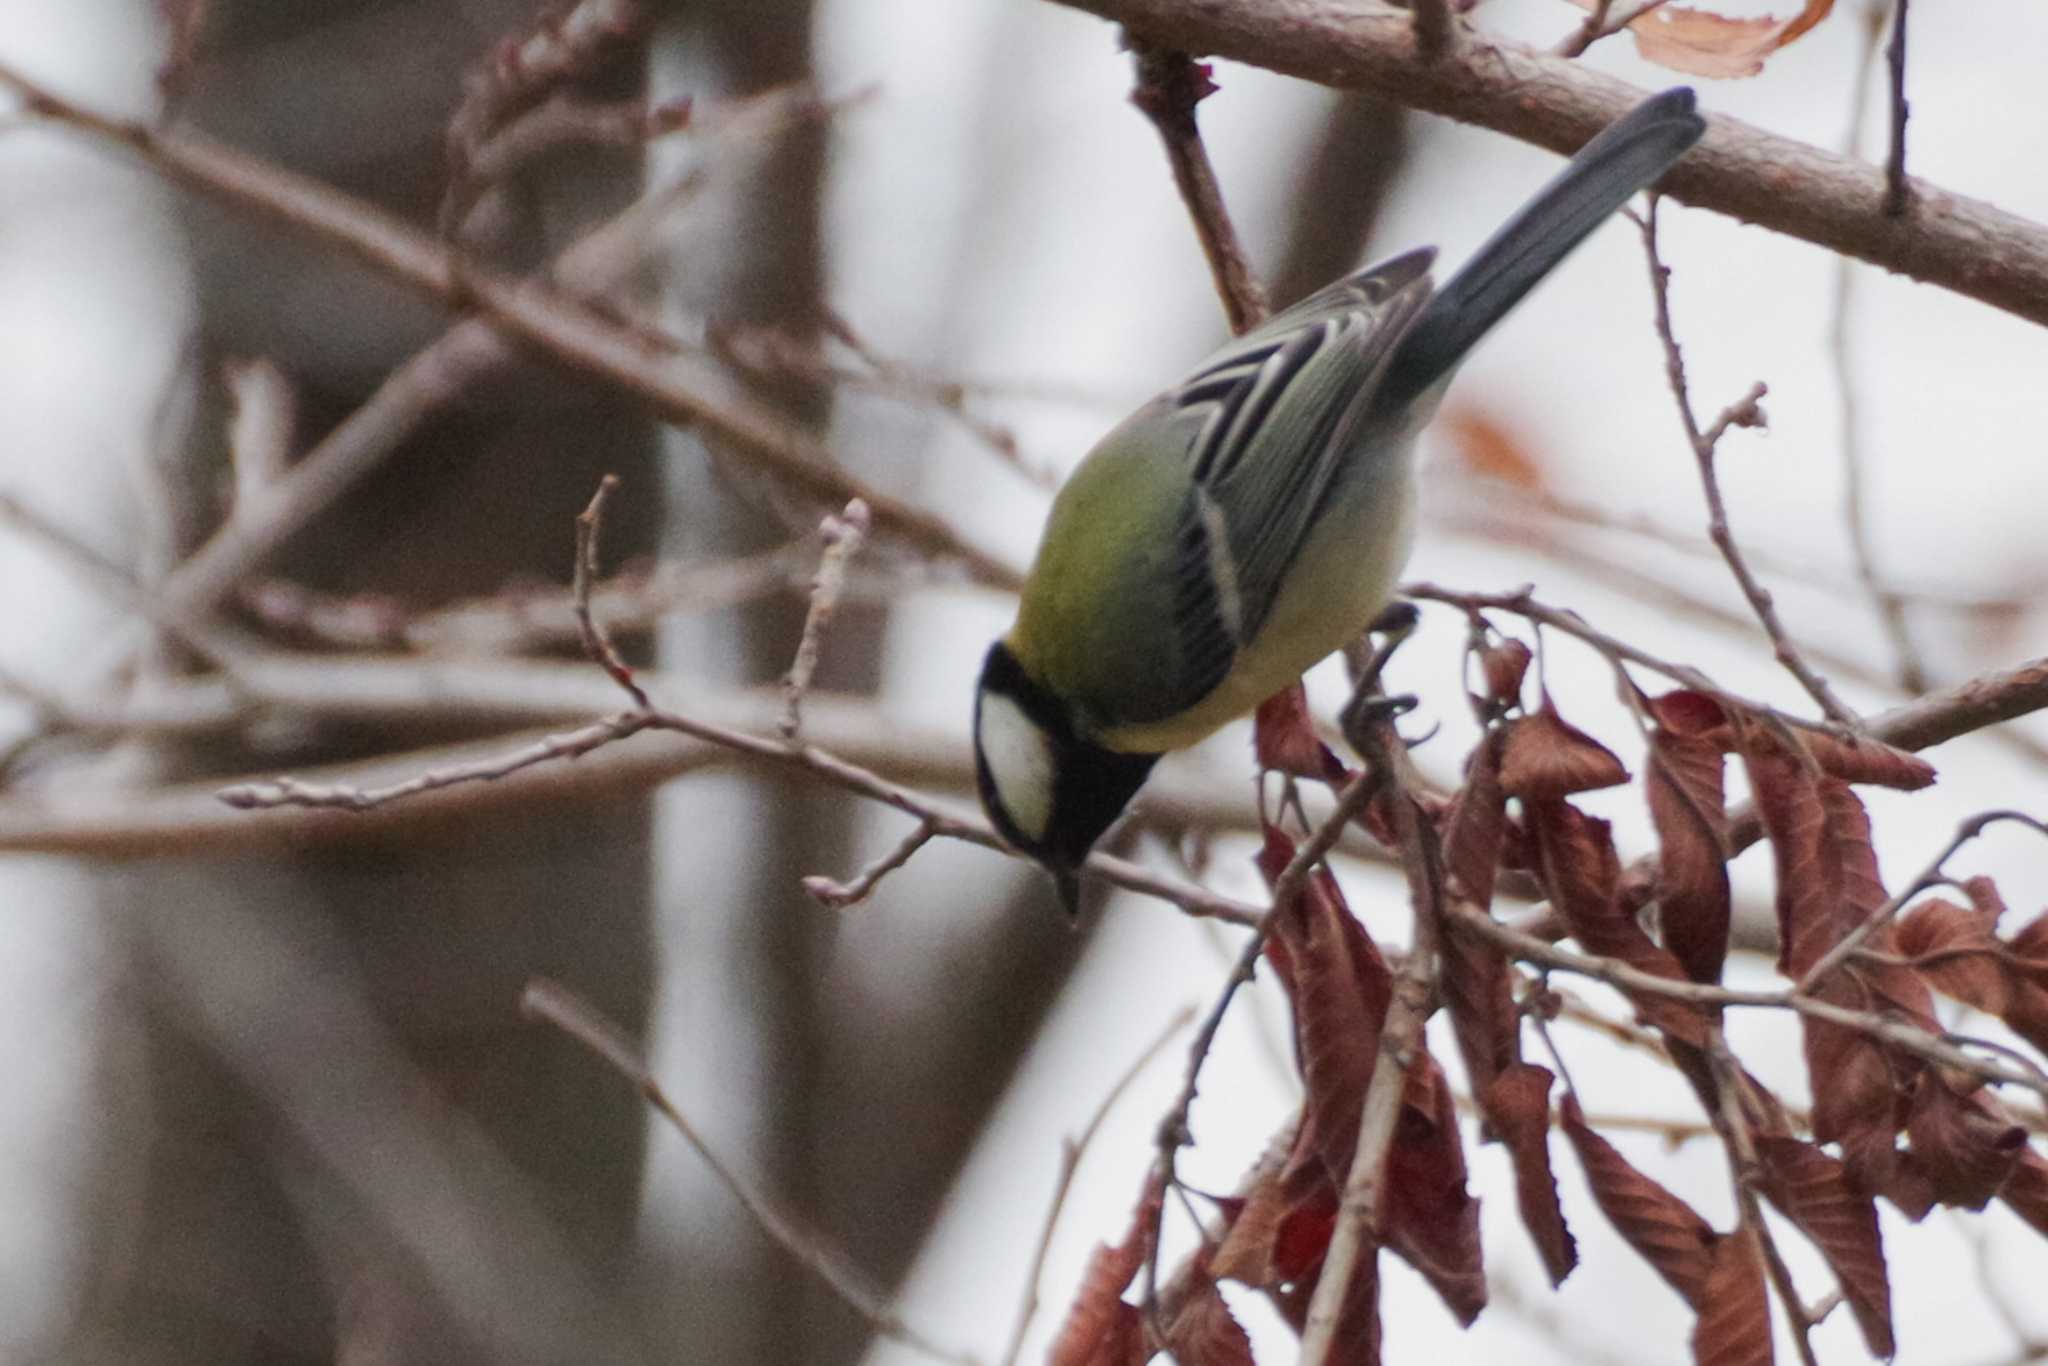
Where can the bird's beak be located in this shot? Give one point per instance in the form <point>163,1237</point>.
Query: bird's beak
<point>1067,881</point>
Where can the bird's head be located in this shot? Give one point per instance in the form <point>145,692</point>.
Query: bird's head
<point>1049,790</point>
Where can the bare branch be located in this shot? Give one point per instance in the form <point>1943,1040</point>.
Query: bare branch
<point>1168,89</point>
<point>556,1005</point>
<point>1944,1050</point>
<point>524,618</point>
<point>596,644</point>
<point>1896,187</point>
<point>1957,243</point>
<point>838,896</point>
<point>1744,412</point>
<point>842,536</point>
<point>1435,27</point>
<point>212,643</point>
<point>1890,605</point>
<point>261,427</point>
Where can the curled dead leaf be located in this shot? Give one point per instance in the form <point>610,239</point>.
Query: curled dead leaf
<point>1701,43</point>
<point>1543,755</point>
<point>1517,1106</point>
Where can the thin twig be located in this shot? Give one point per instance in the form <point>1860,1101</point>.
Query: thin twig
<point>842,536</point>
<point>775,351</point>
<point>1946,1050</point>
<point>261,426</point>
<point>838,896</point>
<point>1170,85</point>
<point>1523,603</point>
<point>523,618</point>
<point>596,643</point>
<point>1890,606</point>
<point>1071,1151</point>
<point>1590,30</point>
<point>1435,27</point>
<point>556,1005</point>
<point>518,74</point>
<point>285,790</point>
<point>213,643</point>
<point>1739,1144</point>
<point>263,794</point>
<point>1597,26</point>
<point>1744,412</point>
<point>1896,188</point>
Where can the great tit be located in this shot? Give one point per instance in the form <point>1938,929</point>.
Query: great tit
<point>1253,519</point>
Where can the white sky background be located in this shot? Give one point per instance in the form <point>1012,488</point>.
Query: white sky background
<point>999,212</point>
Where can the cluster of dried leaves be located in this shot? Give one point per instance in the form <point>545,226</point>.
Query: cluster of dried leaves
<point>1885,1124</point>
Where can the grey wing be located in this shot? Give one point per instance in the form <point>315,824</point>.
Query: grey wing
<point>1276,409</point>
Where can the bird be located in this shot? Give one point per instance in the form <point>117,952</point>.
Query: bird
<point>1254,518</point>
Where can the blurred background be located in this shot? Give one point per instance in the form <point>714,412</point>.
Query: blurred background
<point>270,1095</point>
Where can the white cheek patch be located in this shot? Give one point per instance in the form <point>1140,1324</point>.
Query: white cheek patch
<point>1019,757</point>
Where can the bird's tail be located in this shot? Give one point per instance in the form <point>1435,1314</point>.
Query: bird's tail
<point>1627,155</point>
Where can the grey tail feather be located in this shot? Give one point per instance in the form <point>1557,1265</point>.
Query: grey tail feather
<point>1627,155</point>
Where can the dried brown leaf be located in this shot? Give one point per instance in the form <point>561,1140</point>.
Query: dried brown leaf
<point>1967,1151</point>
<point>1504,666</point>
<point>1582,874</point>
<point>1430,1219</point>
<point>1517,1106</point>
<point>1815,1192</point>
<point>1100,1329</point>
<point>1688,805</point>
<point>2026,980</point>
<point>1864,760</point>
<point>1734,1327</point>
<point>1858,1099</point>
<point>1670,1236</point>
<point>1955,949</point>
<point>1284,739</point>
<point>1279,1235</point>
<point>1203,1331</point>
<point>1340,987</point>
<point>1692,714</point>
<point>1477,990</point>
<point>1475,826</point>
<point>1820,846</point>
<point>1544,756</point>
<point>2026,1190</point>
<point>1702,43</point>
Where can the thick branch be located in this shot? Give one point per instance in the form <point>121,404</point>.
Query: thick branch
<point>1944,239</point>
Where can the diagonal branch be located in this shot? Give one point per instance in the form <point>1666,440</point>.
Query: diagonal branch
<point>1960,244</point>
<point>1705,442</point>
<point>1168,89</point>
